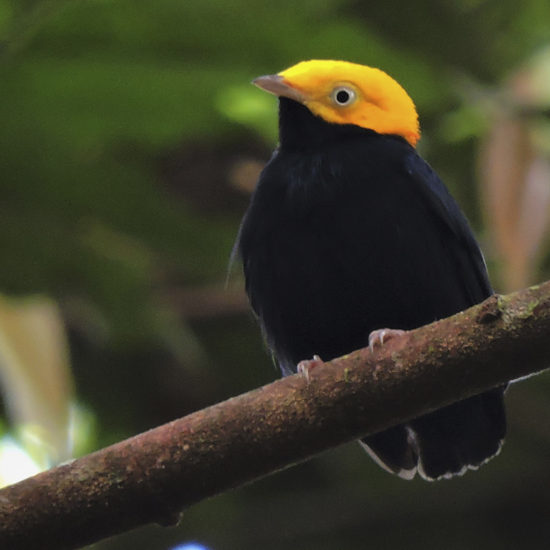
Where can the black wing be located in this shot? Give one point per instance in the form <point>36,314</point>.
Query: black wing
<point>470,263</point>
<point>466,434</point>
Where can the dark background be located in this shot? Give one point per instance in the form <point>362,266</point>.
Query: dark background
<point>130,140</point>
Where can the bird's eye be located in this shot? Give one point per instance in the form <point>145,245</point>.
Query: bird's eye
<point>343,96</point>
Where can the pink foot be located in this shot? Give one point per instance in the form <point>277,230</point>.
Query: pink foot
<point>378,337</point>
<point>304,367</point>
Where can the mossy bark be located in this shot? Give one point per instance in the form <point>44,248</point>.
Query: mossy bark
<point>151,477</point>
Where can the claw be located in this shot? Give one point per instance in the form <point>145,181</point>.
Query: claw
<point>304,367</point>
<point>378,337</point>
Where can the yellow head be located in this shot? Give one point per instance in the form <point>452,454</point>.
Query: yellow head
<point>347,93</point>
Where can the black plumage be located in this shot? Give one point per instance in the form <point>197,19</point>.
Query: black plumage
<point>350,231</point>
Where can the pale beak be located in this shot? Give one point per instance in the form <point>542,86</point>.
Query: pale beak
<point>275,84</point>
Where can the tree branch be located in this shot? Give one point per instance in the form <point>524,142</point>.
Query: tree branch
<point>151,477</point>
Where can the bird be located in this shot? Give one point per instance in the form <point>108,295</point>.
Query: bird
<point>350,231</point>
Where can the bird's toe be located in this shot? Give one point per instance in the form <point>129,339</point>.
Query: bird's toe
<point>304,367</point>
<point>378,337</point>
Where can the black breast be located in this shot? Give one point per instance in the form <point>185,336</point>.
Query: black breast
<point>339,241</point>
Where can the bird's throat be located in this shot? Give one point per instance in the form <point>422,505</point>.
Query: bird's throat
<point>300,129</point>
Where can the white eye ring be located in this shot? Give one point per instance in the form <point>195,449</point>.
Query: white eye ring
<point>342,96</point>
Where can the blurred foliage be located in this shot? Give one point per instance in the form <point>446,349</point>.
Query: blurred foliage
<point>35,376</point>
<point>129,140</point>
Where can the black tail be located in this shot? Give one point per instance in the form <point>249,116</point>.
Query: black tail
<point>443,443</point>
